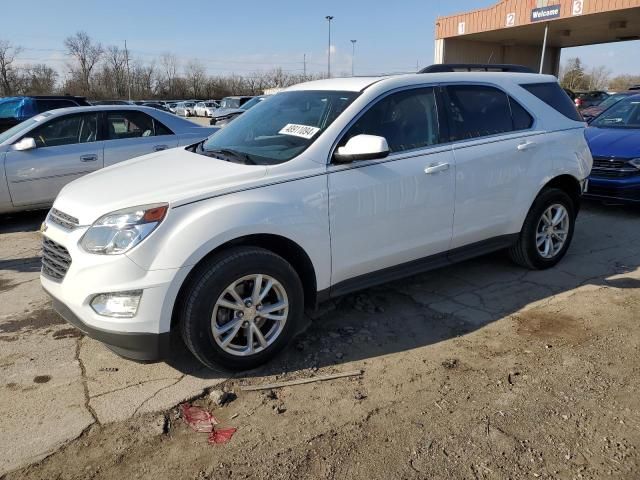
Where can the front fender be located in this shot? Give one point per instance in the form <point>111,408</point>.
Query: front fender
<point>297,210</point>
<point>5,197</point>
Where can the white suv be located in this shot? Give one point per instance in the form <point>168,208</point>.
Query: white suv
<point>325,188</point>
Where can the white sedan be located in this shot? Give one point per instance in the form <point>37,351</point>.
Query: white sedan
<point>205,109</point>
<point>42,154</point>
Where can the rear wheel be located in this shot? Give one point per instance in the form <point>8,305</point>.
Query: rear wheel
<point>242,307</point>
<point>547,231</point>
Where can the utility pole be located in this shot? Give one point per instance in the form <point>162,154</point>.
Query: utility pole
<point>126,56</point>
<point>329,18</point>
<point>304,63</point>
<point>353,55</point>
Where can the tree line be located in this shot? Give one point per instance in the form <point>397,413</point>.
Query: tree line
<point>103,72</point>
<point>576,76</point>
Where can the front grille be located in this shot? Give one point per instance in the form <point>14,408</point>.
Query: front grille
<point>613,168</point>
<point>55,259</point>
<point>63,219</point>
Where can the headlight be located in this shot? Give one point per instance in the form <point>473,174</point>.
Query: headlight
<point>122,230</point>
<point>635,162</point>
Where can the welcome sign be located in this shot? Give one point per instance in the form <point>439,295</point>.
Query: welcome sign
<point>545,13</point>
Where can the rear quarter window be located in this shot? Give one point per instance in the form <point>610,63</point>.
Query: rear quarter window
<point>552,94</point>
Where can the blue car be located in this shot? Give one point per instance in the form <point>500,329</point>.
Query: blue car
<point>614,139</point>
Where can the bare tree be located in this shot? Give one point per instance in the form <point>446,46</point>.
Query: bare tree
<point>196,77</point>
<point>169,65</point>
<point>599,77</point>
<point>87,54</point>
<point>8,54</point>
<point>38,79</point>
<point>116,69</point>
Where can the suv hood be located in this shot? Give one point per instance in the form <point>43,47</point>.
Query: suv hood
<point>175,176</point>
<point>614,142</point>
<point>223,112</point>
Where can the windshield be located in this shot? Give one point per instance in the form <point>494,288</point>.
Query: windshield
<point>252,103</point>
<point>278,128</point>
<point>230,103</point>
<point>6,135</point>
<point>210,104</point>
<point>624,114</point>
<point>611,100</point>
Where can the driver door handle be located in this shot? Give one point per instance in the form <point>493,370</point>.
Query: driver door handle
<point>526,145</point>
<point>159,148</point>
<point>89,158</point>
<point>436,167</point>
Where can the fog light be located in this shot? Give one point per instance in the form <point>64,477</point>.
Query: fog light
<point>118,304</point>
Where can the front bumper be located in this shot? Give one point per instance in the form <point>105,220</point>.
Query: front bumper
<point>142,337</point>
<point>133,345</point>
<point>625,190</point>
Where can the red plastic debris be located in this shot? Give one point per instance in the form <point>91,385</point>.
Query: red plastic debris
<point>221,436</point>
<point>202,421</point>
<point>198,418</point>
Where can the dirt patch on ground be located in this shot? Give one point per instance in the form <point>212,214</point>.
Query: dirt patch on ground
<point>38,319</point>
<point>549,325</point>
<point>433,406</point>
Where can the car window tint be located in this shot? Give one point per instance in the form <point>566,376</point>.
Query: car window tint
<point>521,118</point>
<point>552,94</point>
<point>51,104</point>
<point>477,111</point>
<point>160,129</point>
<point>128,124</point>
<point>67,130</point>
<point>407,120</point>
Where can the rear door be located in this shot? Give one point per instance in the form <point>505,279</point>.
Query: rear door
<point>131,133</point>
<point>67,147</point>
<point>496,148</point>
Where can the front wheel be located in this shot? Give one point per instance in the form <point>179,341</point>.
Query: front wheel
<point>547,231</point>
<point>242,307</point>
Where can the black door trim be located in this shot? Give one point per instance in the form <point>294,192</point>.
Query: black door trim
<point>415,267</point>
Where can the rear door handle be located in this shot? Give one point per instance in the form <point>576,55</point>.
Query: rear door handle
<point>526,145</point>
<point>89,158</point>
<point>159,148</point>
<point>436,167</point>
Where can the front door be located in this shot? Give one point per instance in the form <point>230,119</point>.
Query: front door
<point>386,212</point>
<point>67,148</point>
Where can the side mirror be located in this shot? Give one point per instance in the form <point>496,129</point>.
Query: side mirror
<point>27,143</point>
<point>362,147</point>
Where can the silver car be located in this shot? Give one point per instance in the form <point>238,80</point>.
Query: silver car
<point>42,154</point>
<point>185,109</point>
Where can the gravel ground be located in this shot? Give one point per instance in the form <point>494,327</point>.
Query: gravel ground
<point>480,370</point>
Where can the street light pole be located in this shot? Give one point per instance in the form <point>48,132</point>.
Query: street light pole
<point>353,54</point>
<point>329,18</point>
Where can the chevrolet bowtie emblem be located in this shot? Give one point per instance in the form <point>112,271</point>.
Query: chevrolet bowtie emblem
<point>43,227</point>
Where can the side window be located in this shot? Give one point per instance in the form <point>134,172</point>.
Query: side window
<point>521,118</point>
<point>45,105</point>
<point>407,119</point>
<point>128,124</point>
<point>67,130</point>
<point>552,94</point>
<point>160,129</point>
<point>477,111</point>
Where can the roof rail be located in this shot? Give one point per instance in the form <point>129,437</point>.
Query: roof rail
<point>475,67</point>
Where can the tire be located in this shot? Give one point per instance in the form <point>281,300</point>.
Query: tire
<point>210,286</point>
<point>525,251</point>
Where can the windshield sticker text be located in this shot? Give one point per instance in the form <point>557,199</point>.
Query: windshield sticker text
<point>303,131</point>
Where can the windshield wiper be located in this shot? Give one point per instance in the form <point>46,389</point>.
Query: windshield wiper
<point>227,152</point>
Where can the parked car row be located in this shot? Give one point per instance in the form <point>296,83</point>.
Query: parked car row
<point>39,156</point>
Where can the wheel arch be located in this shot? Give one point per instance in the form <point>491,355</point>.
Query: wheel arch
<point>567,183</point>
<point>286,248</point>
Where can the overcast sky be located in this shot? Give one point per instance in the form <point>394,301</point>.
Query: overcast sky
<point>246,36</point>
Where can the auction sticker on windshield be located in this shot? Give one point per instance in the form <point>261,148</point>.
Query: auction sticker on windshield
<point>303,131</point>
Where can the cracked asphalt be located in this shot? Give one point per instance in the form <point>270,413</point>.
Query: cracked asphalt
<point>57,385</point>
